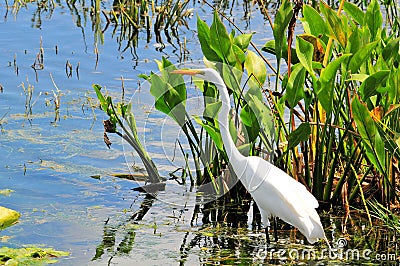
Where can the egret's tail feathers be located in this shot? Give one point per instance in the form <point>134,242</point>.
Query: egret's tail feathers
<point>312,229</point>
<point>316,234</point>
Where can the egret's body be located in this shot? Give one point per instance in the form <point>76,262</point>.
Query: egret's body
<point>275,192</point>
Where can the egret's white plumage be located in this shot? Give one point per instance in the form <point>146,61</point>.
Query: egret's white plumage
<point>276,193</point>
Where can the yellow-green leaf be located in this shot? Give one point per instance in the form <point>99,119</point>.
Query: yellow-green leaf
<point>335,24</point>
<point>256,69</point>
<point>7,217</point>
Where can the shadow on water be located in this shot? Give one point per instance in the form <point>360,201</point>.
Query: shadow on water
<point>223,232</point>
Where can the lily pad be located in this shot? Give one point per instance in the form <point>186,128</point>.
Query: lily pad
<point>7,217</point>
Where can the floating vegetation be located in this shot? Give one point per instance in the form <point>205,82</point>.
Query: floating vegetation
<point>6,192</point>
<point>29,256</point>
<point>8,217</point>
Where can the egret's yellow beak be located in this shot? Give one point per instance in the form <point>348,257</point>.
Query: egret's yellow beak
<point>190,72</point>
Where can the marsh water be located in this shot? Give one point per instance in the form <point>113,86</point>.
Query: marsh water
<point>54,159</point>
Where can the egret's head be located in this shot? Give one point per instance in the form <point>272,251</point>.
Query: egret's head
<point>207,74</point>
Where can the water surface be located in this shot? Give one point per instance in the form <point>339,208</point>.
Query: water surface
<point>49,159</point>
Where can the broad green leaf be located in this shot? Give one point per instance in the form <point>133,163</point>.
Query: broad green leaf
<point>247,116</point>
<point>103,102</point>
<point>211,110</point>
<point>232,77</point>
<point>361,56</point>
<point>318,48</point>
<point>243,41</point>
<point>167,99</point>
<point>213,132</point>
<point>232,34</point>
<point>239,55</point>
<point>312,21</point>
<point>250,114</point>
<point>394,81</point>
<point>165,64</point>
<point>373,143</point>
<point>176,81</point>
<point>358,77</point>
<point>370,85</point>
<point>295,85</point>
<point>255,114</point>
<point>354,42</point>
<point>253,93</point>
<point>220,41</point>
<point>373,18</point>
<point>335,24</point>
<point>325,92</point>
<point>255,66</point>
<point>355,12</point>
<point>158,86</point>
<point>302,133</point>
<point>391,50</point>
<point>305,51</point>
<point>250,121</point>
<point>203,33</point>
<point>263,114</point>
<point>282,19</point>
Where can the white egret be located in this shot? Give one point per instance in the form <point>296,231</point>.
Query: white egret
<point>276,193</point>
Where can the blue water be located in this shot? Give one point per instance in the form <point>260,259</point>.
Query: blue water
<point>49,163</point>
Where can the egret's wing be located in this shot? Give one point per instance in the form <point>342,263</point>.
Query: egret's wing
<point>280,195</point>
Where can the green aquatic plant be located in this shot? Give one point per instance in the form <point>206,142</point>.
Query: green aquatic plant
<point>29,256</point>
<point>343,89</point>
<point>231,56</point>
<point>117,114</point>
<point>389,218</point>
<point>8,217</point>
<point>340,96</point>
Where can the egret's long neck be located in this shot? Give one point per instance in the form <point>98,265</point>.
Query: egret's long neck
<point>223,118</point>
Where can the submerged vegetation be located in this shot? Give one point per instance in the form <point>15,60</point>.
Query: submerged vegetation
<point>29,256</point>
